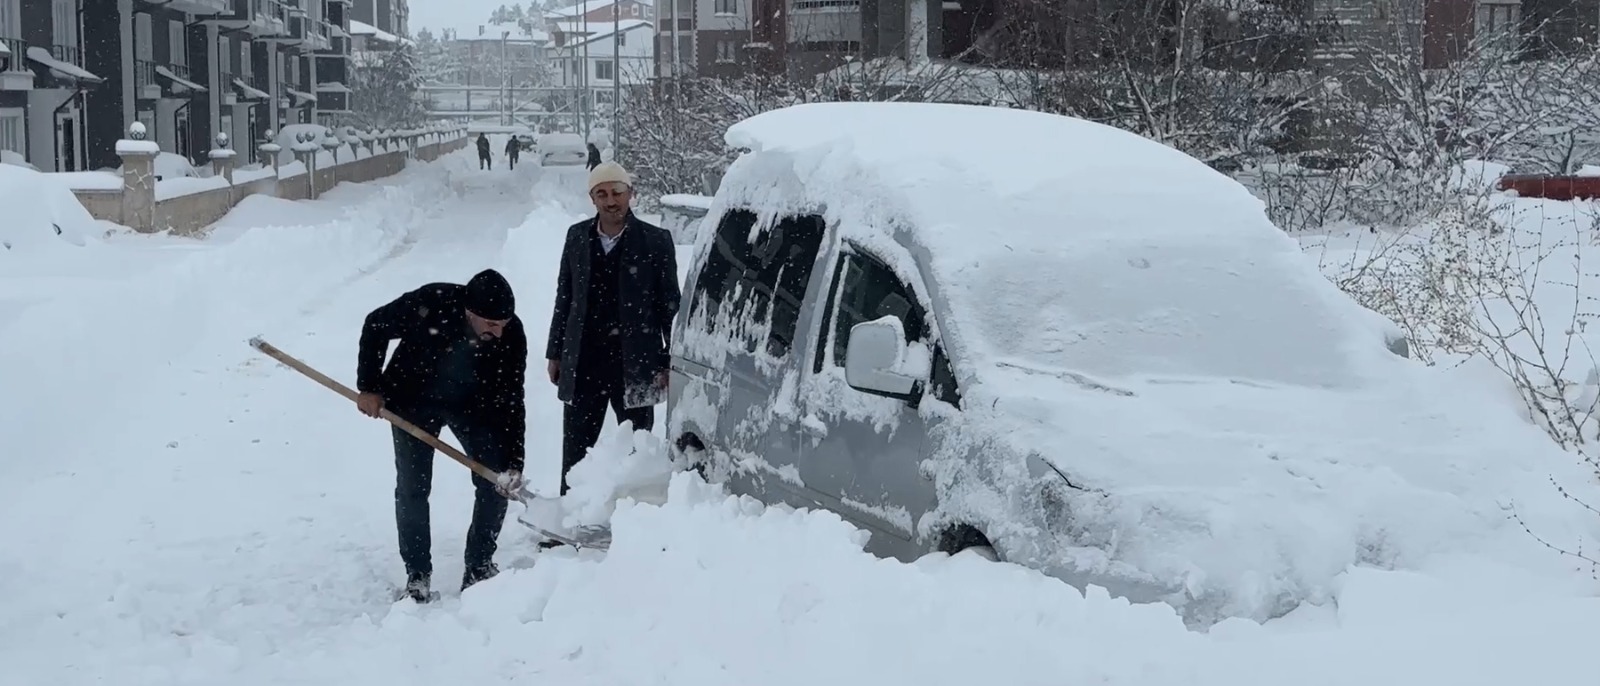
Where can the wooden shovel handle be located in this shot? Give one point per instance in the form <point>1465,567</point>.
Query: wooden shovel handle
<point>270,351</point>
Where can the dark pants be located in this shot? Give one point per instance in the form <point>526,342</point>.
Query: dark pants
<point>583,418</point>
<point>484,161</point>
<point>512,159</point>
<point>413,462</point>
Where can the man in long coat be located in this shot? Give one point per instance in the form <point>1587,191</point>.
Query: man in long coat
<point>611,329</point>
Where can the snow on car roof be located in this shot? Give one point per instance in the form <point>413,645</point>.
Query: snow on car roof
<point>1064,243</point>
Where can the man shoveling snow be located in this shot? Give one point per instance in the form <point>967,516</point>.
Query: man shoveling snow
<point>461,363</point>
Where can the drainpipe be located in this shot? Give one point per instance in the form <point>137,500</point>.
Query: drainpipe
<point>125,15</point>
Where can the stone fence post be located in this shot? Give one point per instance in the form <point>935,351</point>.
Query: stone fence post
<point>222,158</point>
<point>138,179</point>
<point>270,150</point>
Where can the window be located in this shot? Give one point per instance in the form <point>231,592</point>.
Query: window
<point>244,58</point>
<point>225,58</point>
<point>622,36</point>
<point>143,48</point>
<point>10,19</point>
<point>865,289</point>
<point>727,51</point>
<point>13,129</point>
<point>726,7</point>
<point>63,23</point>
<point>603,69</point>
<point>763,282</point>
<point>176,43</point>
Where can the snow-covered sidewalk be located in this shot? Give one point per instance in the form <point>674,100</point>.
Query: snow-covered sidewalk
<point>176,509</point>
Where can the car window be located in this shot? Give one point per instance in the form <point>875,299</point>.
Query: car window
<point>764,281</point>
<point>864,289</point>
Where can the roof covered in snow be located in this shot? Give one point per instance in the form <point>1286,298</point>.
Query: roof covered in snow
<point>358,28</point>
<point>596,30</point>
<point>580,9</point>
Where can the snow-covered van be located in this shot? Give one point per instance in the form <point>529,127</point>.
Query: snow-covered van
<point>1069,347</point>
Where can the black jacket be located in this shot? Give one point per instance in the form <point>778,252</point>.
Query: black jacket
<point>428,321</point>
<point>647,297</point>
<point>594,157</point>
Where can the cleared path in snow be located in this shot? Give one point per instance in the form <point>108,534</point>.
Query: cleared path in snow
<point>173,489</point>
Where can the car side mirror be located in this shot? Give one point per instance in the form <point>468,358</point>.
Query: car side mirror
<point>873,357</point>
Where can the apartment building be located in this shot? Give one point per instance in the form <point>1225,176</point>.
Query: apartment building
<point>43,84</point>
<point>798,37</point>
<point>186,69</point>
<point>389,16</point>
<point>597,58</point>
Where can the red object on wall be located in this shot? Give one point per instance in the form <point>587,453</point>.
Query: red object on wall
<point>1551,187</point>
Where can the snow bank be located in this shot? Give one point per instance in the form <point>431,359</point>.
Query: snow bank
<point>715,590</point>
<point>41,214</point>
<point>228,292</point>
<point>1237,430</point>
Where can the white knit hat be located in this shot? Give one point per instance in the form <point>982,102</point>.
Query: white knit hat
<point>607,172</point>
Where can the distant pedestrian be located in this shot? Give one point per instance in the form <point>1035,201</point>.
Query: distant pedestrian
<point>513,149</point>
<point>484,161</point>
<point>594,156</point>
<point>460,363</point>
<point>611,330</point>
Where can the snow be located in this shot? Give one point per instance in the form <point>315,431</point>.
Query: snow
<point>126,147</point>
<point>43,219</point>
<point>1131,317</point>
<point>90,180</point>
<point>699,202</point>
<point>175,187</point>
<point>228,521</point>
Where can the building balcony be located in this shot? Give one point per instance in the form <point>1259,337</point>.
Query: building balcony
<point>244,91</point>
<point>152,80</point>
<point>61,66</point>
<point>256,18</point>
<point>15,74</point>
<point>338,46</point>
<point>201,7</point>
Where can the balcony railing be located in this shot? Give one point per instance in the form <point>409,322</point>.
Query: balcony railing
<point>258,82</point>
<point>18,60</point>
<point>144,73</point>
<point>71,54</point>
<point>179,70</point>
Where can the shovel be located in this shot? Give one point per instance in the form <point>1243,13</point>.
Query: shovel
<point>597,537</point>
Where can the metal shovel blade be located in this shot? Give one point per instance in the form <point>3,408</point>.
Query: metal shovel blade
<point>543,516</point>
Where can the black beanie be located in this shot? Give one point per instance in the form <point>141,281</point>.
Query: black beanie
<point>489,296</point>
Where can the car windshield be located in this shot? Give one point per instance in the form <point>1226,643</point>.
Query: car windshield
<point>1164,311</point>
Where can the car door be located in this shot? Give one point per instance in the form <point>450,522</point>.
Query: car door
<point>867,461</point>
<point>748,301</point>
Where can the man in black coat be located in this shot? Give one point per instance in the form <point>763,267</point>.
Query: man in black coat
<point>513,150</point>
<point>461,362</point>
<point>484,161</point>
<point>611,330</point>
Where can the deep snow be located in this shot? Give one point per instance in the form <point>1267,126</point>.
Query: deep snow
<point>175,509</point>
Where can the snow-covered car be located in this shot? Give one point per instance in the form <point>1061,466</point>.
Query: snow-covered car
<point>562,150</point>
<point>1063,345</point>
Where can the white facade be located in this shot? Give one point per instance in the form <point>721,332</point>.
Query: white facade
<point>607,58</point>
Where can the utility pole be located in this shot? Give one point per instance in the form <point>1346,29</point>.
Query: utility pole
<point>616,77</point>
<point>505,81</point>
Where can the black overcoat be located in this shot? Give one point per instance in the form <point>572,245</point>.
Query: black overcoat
<point>648,297</point>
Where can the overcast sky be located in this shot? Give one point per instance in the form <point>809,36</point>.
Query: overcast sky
<point>452,14</point>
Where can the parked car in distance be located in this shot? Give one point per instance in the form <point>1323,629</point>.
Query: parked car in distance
<point>562,150</point>
<point>1058,344</point>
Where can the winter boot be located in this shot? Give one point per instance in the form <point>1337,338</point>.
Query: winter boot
<point>478,573</point>
<point>417,588</point>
